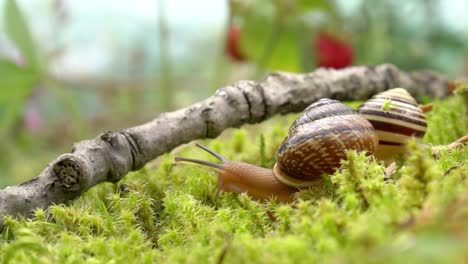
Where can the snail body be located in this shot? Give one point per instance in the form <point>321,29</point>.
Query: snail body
<point>396,118</point>
<point>316,143</point>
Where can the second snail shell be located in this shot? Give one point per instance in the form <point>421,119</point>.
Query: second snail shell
<point>396,117</point>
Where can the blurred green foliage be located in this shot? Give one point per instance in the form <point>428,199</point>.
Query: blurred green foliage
<point>18,31</point>
<point>280,34</point>
<point>274,31</point>
<point>276,35</point>
<point>16,82</point>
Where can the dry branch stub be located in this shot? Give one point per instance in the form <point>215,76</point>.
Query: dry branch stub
<point>110,156</point>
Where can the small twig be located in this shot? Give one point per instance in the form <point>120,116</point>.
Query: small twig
<point>272,216</point>
<point>218,72</point>
<point>224,251</point>
<point>270,45</point>
<point>454,167</point>
<point>436,150</point>
<point>407,223</point>
<point>164,59</point>
<point>390,170</point>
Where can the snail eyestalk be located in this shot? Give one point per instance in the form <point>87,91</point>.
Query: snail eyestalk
<point>212,152</point>
<point>426,107</point>
<point>220,167</point>
<point>201,162</point>
<point>204,162</point>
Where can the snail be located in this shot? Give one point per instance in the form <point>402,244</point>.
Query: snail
<point>396,118</point>
<point>316,143</point>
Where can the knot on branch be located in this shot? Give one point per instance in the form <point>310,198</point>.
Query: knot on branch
<point>69,172</point>
<point>122,151</point>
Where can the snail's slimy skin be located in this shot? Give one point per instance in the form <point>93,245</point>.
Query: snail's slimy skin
<point>257,182</point>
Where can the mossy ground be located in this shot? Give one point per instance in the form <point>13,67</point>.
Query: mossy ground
<point>166,212</point>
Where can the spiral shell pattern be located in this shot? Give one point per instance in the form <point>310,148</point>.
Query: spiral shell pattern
<point>396,118</point>
<point>319,139</point>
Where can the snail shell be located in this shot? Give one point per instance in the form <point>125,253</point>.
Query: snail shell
<point>396,118</point>
<point>319,139</point>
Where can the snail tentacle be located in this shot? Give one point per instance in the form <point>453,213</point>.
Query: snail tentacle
<point>212,152</point>
<point>201,162</point>
<point>426,107</point>
<point>204,162</point>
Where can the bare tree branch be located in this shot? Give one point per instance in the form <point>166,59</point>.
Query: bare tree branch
<point>111,155</point>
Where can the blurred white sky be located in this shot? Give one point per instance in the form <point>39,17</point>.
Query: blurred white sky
<point>97,30</point>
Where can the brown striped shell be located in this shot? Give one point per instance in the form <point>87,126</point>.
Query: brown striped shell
<point>396,117</point>
<point>318,141</point>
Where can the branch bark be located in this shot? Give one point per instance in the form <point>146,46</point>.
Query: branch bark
<point>111,155</point>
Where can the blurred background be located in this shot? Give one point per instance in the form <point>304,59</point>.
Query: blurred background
<point>70,69</point>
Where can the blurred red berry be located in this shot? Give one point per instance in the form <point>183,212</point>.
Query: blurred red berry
<point>32,119</point>
<point>332,52</point>
<point>233,44</point>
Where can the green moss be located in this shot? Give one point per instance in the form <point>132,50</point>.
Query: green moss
<point>166,212</point>
<point>386,105</point>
